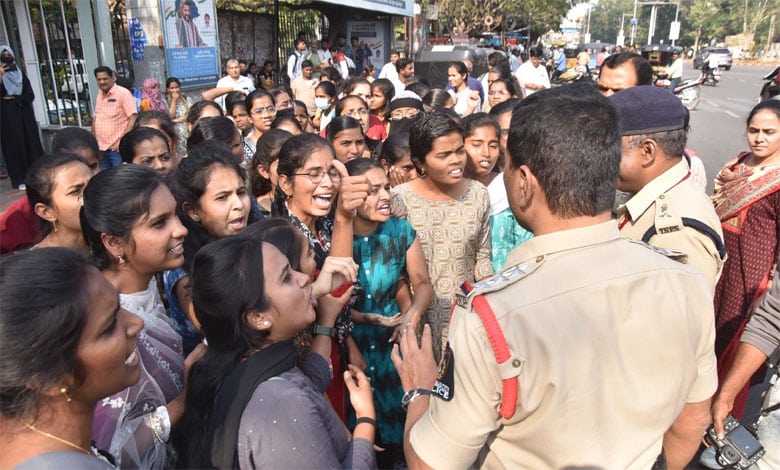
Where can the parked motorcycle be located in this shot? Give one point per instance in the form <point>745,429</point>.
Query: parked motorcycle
<point>772,87</point>
<point>689,91</point>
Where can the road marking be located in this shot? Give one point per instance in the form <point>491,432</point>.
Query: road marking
<point>732,114</point>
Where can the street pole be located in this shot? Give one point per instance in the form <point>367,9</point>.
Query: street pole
<point>633,24</point>
<point>279,54</point>
<point>651,29</point>
<point>589,8</point>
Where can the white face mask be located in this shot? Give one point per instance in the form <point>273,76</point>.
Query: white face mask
<point>322,103</point>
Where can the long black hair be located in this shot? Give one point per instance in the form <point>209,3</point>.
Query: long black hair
<point>44,294</point>
<point>227,283</point>
<point>266,152</point>
<point>114,200</point>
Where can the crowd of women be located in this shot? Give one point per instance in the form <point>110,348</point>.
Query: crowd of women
<point>230,295</point>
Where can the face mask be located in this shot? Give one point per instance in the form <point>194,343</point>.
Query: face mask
<point>7,60</point>
<point>322,103</point>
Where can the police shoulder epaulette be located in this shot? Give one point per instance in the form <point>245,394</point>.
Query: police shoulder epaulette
<point>506,277</point>
<point>676,255</point>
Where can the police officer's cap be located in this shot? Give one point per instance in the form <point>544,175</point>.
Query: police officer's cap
<point>648,109</point>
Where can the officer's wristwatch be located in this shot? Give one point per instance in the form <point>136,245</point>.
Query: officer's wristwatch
<point>412,394</point>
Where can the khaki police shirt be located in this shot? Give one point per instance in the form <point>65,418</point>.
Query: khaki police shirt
<point>664,201</point>
<point>609,354</point>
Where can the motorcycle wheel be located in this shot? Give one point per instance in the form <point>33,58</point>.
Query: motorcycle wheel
<point>690,97</point>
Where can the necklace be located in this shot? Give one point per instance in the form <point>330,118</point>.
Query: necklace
<point>59,439</point>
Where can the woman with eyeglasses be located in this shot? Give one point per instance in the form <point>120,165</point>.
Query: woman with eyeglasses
<point>500,90</point>
<point>376,130</point>
<point>404,109</point>
<point>310,179</point>
<point>262,112</point>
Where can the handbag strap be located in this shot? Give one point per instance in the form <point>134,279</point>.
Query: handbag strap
<point>234,394</point>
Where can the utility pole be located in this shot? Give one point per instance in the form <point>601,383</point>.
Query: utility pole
<point>634,22</point>
<point>651,28</point>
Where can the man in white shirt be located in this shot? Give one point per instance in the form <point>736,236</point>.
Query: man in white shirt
<point>234,80</point>
<point>296,59</point>
<point>388,70</point>
<point>532,75</point>
<point>674,71</point>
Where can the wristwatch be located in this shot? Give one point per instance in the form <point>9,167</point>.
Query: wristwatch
<point>412,394</point>
<point>325,331</point>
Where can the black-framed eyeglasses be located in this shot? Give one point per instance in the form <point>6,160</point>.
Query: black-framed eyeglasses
<point>271,109</point>
<point>316,175</point>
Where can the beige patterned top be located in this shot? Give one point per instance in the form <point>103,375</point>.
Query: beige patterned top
<point>455,238</point>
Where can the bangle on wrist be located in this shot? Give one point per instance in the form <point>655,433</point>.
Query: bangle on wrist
<point>412,395</point>
<point>325,331</point>
<point>366,419</point>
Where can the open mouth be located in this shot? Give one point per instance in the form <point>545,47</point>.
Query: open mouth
<point>323,201</point>
<point>487,164</point>
<point>456,172</point>
<point>177,250</point>
<point>384,209</point>
<point>132,359</point>
<point>237,224</point>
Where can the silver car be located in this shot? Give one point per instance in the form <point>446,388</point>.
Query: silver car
<point>723,54</point>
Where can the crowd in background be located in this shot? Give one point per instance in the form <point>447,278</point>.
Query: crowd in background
<point>220,280</point>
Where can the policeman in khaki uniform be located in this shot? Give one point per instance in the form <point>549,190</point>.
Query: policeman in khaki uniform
<point>587,362</point>
<point>667,209</point>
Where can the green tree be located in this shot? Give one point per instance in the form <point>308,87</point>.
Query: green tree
<point>469,16</point>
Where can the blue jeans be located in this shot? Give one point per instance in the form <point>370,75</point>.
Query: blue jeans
<point>109,158</point>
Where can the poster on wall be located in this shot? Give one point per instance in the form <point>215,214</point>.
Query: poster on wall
<point>190,37</point>
<point>373,35</point>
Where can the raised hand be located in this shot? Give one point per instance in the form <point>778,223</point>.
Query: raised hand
<point>353,191</point>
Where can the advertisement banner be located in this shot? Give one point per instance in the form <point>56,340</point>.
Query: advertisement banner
<point>372,34</point>
<point>190,39</point>
<point>393,7</point>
